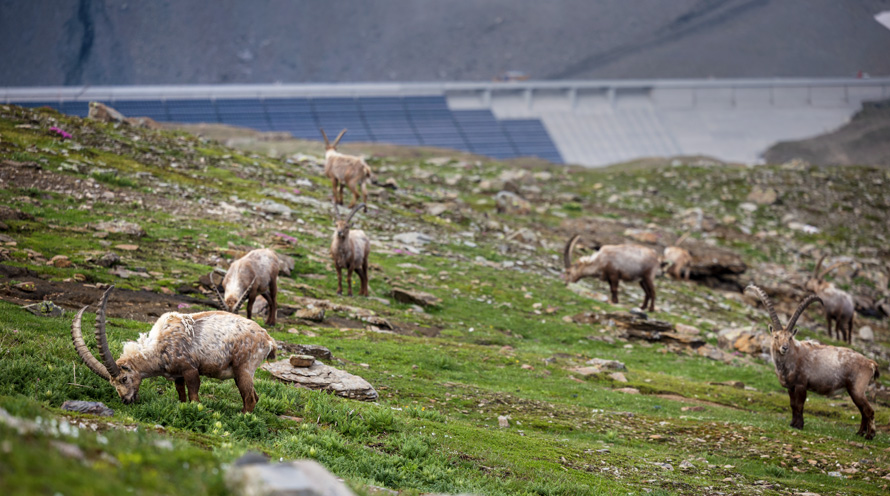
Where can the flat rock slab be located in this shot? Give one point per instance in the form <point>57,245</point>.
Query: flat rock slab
<point>316,350</point>
<point>415,297</point>
<point>120,227</point>
<point>624,320</point>
<point>323,377</point>
<point>45,309</point>
<point>298,478</point>
<point>91,407</point>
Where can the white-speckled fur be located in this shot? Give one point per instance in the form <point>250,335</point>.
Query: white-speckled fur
<point>614,263</point>
<point>260,266</point>
<point>350,171</point>
<point>182,347</point>
<point>678,260</point>
<point>839,306</point>
<point>803,366</point>
<point>630,262</point>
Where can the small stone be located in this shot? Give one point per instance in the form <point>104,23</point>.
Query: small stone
<point>79,277</point>
<point>503,421</point>
<point>686,465</point>
<point>302,360</point>
<point>763,196</point>
<point>313,314</point>
<point>687,329</point>
<point>415,297</point>
<point>628,390</point>
<point>585,371</point>
<point>60,261</point>
<point>90,407</point>
<point>109,259</point>
<point>834,474</point>
<point>618,377</point>
<point>28,287</point>
<point>127,247</point>
<point>120,227</point>
<point>606,364</point>
<point>526,366</point>
<point>866,333</point>
<point>45,308</point>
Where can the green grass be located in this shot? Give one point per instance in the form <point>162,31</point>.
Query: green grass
<point>504,348</point>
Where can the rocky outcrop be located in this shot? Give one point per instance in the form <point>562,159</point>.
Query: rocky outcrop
<point>323,377</point>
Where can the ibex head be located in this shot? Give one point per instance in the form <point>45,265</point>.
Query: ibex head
<point>327,144</point>
<point>343,225</point>
<point>782,335</point>
<point>125,379</point>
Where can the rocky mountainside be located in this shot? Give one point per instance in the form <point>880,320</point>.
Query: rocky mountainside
<point>93,42</point>
<point>863,140</point>
<point>487,373</point>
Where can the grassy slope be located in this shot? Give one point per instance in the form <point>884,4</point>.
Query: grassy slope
<point>435,426</point>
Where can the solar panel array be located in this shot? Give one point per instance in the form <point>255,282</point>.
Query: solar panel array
<point>410,120</point>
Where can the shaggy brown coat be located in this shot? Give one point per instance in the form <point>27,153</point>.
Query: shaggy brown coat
<point>614,263</point>
<point>810,366</point>
<point>181,347</point>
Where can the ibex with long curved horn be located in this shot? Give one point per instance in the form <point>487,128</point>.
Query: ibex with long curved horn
<point>839,305</point>
<point>253,274</point>
<point>345,170</point>
<point>181,347</point>
<point>807,365</point>
<point>614,263</point>
<point>350,249</point>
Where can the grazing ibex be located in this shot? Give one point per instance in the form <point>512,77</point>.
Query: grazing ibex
<point>614,263</point>
<point>678,259</point>
<point>345,170</point>
<point>181,347</point>
<point>253,274</point>
<point>839,305</point>
<point>807,365</point>
<point>350,249</point>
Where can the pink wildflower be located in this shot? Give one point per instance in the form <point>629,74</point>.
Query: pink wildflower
<point>60,132</point>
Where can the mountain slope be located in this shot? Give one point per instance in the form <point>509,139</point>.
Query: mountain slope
<point>94,42</point>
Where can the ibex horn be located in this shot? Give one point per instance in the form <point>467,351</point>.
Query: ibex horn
<point>768,303</point>
<point>102,339</point>
<point>82,349</point>
<point>243,296</point>
<point>800,308</point>
<point>325,136</point>
<point>216,288</point>
<point>354,210</point>
<point>567,252</point>
<point>336,141</point>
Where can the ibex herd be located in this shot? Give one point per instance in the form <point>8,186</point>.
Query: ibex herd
<point>223,345</point>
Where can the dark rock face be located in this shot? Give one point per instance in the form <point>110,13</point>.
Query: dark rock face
<point>87,42</point>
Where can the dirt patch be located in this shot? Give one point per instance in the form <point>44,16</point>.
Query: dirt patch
<point>144,306</point>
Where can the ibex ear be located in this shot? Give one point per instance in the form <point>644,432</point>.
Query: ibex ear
<point>771,330</point>
<point>794,331</point>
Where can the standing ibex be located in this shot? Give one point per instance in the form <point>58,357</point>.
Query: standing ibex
<point>350,249</point>
<point>807,365</point>
<point>345,170</point>
<point>181,347</point>
<point>839,305</point>
<point>253,274</point>
<point>614,263</point>
<point>678,259</point>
